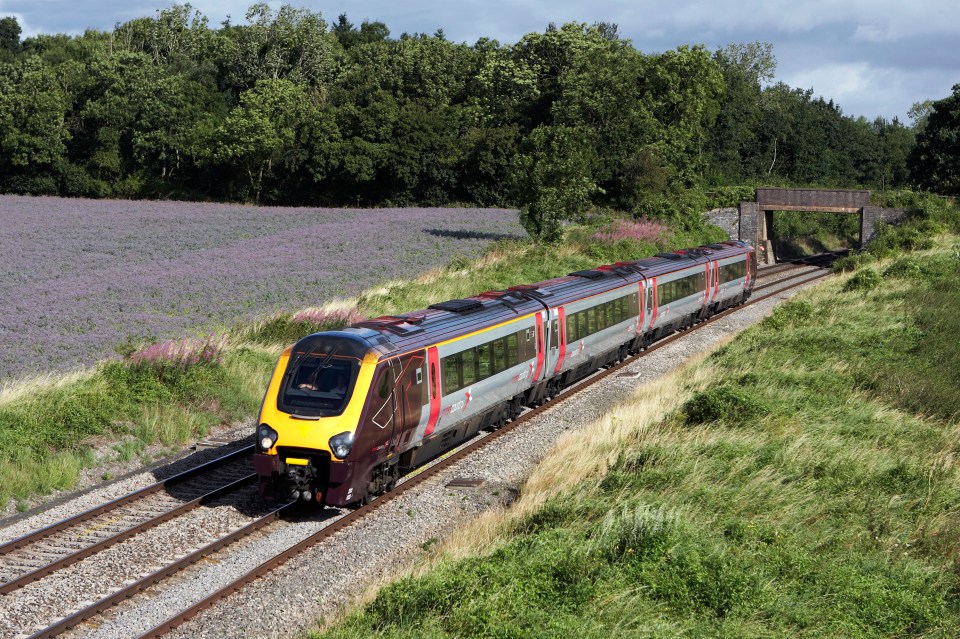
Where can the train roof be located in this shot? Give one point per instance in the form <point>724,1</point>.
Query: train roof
<point>445,320</point>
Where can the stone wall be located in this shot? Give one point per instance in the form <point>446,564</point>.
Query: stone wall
<point>874,215</point>
<point>728,219</point>
<point>750,225</point>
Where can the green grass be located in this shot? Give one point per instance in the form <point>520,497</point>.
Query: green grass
<point>809,489</point>
<point>47,431</point>
<point>47,427</point>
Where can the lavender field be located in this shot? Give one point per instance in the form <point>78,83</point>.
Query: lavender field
<point>80,277</point>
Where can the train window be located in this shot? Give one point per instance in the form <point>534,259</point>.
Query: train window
<point>469,371</point>
<point>499,352</point>
<point>451,374</point>
<point>591,321</point>
<point>483,361</point>
<point>730,272</point>
<point>386,384</point>
<point>554,334</point>
<point>433,380</point>
<point>513,351</point>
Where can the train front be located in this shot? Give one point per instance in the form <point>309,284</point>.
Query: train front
<point>310,416</point>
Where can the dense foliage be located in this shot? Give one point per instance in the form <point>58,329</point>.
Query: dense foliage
<point>935,161</point>
<point>287,108</point>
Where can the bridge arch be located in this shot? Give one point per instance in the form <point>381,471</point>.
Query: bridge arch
<point>755,219</point>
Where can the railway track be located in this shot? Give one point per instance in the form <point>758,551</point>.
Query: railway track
<point>784,280</point>
<point>44,551</point>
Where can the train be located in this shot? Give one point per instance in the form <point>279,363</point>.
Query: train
<point>348,412</point>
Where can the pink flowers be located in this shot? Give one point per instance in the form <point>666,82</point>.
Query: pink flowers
<point>332,317</point>
<point>182,353</point>
<point>647,231</point>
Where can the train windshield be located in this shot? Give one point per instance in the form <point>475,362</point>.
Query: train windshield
<point>320,376</point>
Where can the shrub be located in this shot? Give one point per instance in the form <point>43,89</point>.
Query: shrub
<point>727,404</point>
<point>793,313</point>
<point>906,268</point>
<point>181,353</point>
<point>287,329</point>
<point>643,230</point>
<point>730,196</point>
<point>852,262</point>
<point>864,280</point>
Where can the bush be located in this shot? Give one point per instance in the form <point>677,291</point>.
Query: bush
<point>643,230</point>
<point>181,353</point>
<point>905,267</point>
<point>287,329</point>
<point>852,262</point>
<point>733,405</point>
<point>730,196</point>
<point>793,313</point>
<point>865,280</point>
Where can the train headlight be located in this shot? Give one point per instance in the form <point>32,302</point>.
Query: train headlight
<point>341,445</point>
<point>266,437</point>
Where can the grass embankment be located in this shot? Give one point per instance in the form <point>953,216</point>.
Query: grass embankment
<point>49,426</point>
<point>802,480</point>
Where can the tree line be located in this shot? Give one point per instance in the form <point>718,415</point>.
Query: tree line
<point>290,109</point>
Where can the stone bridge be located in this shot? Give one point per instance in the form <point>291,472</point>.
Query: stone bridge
<point>753,221</point>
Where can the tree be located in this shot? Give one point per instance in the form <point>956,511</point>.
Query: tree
<point>289,43</point>
<point>33,131</point>
<point>257,134</point>
<point>552,180</point>
<point>9,34</point>
<point>935,161</point>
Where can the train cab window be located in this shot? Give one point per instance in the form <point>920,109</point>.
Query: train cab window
<point>451,374</point>
<point>469,371</point>
<point>320,376</point>
<point>483,361</point>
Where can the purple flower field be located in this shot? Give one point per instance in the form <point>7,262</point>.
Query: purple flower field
<point>80,277</point>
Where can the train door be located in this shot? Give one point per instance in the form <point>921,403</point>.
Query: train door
<point>412,393</point>
<point>540,346</point>
<point>560,339</point>
<point>433,377</point>
<point>383,410</point>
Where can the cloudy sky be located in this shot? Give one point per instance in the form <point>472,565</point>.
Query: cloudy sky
<point>872,57</point>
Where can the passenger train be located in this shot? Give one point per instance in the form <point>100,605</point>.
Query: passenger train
<point>348,412</point>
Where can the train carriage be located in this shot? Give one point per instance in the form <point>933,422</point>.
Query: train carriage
<point>347,412</point>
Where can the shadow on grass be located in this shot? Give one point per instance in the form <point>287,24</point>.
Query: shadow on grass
<point>473,235</point>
